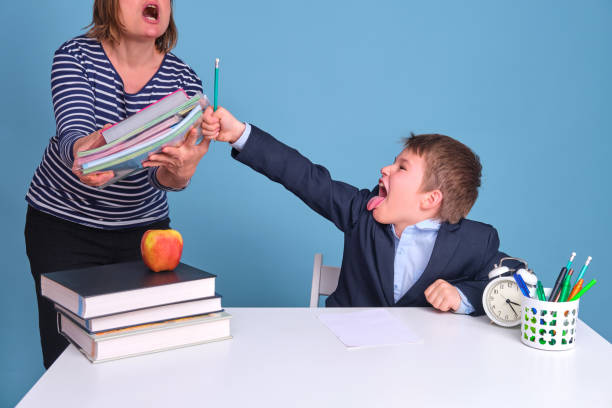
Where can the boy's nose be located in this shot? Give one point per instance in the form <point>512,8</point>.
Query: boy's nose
<point>385,170</point>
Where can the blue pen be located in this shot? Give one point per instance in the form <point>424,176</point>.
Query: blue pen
<point>521,284</point>
<point>216,94</point>
<point>569,263</point>
<point>584,268</point>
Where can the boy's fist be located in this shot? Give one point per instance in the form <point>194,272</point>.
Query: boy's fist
<point>443,296</point>
<point>221,125</point>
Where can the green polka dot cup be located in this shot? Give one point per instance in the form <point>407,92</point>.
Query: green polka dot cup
<point>549,325</point>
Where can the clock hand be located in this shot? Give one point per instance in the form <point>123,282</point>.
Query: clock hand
<point>508,301</point>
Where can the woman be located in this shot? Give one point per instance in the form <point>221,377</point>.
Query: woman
<point>120,66</point>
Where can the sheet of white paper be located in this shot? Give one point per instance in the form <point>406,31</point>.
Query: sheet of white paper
<point>368,328</point>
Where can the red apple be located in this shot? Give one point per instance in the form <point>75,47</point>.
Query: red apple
<point>161,249</point>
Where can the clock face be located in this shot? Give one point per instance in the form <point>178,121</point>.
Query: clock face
<point>502,301</point>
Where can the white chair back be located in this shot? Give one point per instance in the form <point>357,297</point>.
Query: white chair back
<point>324,280</point>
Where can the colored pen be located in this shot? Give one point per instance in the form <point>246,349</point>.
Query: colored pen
<point>559,292</point>
<point>569,263</point>
<point>582,292</point>
<point>576,288</point>
<point>216,84</point>
<point>521,284</point>
<point>584,268</point>
<point>555,291</point>
<point>565,289</point>
<point>540,291</point>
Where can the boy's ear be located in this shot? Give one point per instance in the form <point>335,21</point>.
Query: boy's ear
<point>432,200</point>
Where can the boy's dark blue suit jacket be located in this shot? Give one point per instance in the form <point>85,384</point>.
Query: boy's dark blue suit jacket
<point>463,253</point>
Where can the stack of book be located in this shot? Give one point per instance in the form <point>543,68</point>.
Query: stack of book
<point>125,309</point>
<point>129,142</point>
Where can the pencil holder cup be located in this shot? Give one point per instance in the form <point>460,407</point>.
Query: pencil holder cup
<point>549,325</point>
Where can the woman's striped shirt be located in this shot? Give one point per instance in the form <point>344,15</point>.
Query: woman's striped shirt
<point>88,93</point>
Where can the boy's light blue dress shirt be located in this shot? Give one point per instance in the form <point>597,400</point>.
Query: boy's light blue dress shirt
<point>412,250</point>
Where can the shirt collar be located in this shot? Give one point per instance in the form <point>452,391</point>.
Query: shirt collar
<point>425,225</point>
<point>430,224</point>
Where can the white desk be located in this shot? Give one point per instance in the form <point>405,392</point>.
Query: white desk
<point>287,358</point>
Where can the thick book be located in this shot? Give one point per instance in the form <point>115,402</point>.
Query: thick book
<point>121,287</point>
<point>144,339</point>
<point>147,315</point>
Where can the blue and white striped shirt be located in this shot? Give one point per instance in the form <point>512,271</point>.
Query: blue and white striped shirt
<point>88,93</point>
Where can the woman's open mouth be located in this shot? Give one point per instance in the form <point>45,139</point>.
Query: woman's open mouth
<point>150,13</point>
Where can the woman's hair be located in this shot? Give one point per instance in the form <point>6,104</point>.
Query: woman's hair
<point>106,26</point>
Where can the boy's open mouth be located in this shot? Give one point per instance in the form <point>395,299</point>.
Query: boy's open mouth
<point>382,194</point>
<point>150,12</point>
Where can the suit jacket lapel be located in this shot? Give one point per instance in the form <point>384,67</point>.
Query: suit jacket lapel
<point>385,262</point>
<point>443,250</point>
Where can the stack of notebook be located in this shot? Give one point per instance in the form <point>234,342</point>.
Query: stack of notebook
<point>129,142</point>
<point>121,310</point>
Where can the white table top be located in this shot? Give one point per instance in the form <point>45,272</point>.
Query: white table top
<point>285,357</point>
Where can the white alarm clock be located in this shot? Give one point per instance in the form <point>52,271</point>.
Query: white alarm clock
<point>501,298</point>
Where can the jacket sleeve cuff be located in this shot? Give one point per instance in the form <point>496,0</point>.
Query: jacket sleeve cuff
<point>239,144</point>
<point>465,307</point>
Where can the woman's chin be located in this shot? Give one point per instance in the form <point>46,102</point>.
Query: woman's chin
<point>153,33</point>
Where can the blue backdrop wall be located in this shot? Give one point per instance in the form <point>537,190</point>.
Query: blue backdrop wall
<point>525,84</point>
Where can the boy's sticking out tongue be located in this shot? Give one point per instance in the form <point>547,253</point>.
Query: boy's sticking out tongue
<point>375,202</point>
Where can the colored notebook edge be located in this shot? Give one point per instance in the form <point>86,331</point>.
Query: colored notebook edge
<point>150,123</point>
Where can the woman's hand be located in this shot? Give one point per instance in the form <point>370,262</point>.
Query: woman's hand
<point>177,164</point>
<point>91,141</point>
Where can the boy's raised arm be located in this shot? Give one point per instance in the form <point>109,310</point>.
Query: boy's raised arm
<point>339,202</point>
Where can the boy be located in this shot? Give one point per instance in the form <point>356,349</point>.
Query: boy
<point>406,243</point>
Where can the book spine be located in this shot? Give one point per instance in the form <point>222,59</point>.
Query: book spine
<point>81,306</point>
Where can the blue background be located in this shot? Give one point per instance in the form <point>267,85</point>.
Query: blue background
<point>525,84</point>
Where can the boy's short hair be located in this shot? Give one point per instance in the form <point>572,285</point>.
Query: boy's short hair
<point>105,25</point>
<point>451,167</point>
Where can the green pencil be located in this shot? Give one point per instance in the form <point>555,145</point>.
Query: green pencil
<point>565,288</point>
<point>216,84</point>
<point>587,287</point>
<point>540,291</point>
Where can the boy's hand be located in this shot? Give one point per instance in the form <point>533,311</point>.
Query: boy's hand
<point>443,296</point>
<point>221,125</point>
